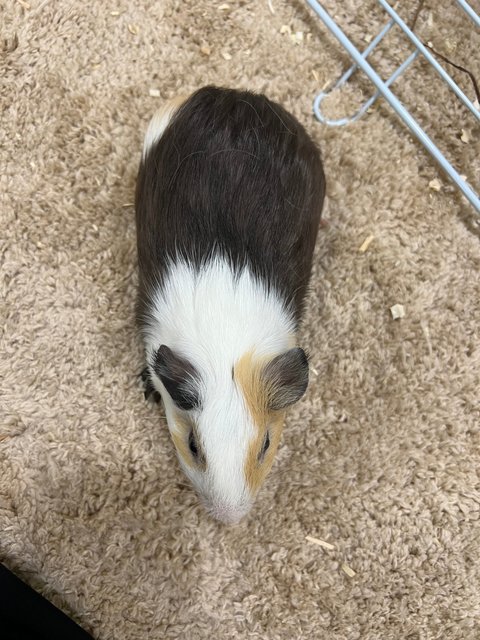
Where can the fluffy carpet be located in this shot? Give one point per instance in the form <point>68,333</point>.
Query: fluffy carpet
<point>381,458</point>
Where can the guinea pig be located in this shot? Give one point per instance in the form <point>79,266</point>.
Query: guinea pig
<point>228,203</point>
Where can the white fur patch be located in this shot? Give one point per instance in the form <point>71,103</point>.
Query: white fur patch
<point>213,318</point>
<point>160,122</point>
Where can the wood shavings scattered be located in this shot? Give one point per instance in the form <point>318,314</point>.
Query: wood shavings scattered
<point>224,7</point>
<point>205,50</point>
<point>116,13</point>
<point>435,184</point>
<point>128,204</point>
<point>226,55</point>
<point>314,371</point>
<point>155,93</point>
<point>270,6</point>
<point>327,545</point>
<point>321,543</point>
<point>285,28</point>
<point>133,28</point>
<point>348,570</point>
<point>397,311</point>
<point>368,38</point>
<point>315,75</point>
<point>24,4</point>
<point>465,137</point>
<point>366,243</point>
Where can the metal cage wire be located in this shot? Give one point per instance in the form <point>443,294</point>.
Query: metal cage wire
<point>383,87</point>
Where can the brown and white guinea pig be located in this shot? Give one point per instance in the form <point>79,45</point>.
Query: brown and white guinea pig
<point>228,203</point>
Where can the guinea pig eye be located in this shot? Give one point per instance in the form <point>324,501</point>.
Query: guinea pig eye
<point>192,444</point>
<point>266,444</point>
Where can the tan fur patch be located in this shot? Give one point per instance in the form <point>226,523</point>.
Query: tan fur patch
<point>180,440</point>
<point>248,376</point>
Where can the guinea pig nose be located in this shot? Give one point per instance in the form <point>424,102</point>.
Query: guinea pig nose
<point>228,514</point>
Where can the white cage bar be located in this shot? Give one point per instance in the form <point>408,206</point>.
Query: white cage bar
<point>360,61</point>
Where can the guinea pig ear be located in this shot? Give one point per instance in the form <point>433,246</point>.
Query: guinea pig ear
<point>178,376</point>
<point>286,378</point>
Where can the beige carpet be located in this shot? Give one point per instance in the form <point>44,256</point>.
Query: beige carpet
<point>381,458</point>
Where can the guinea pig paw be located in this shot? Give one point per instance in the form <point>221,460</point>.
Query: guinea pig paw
<point>149,390</point>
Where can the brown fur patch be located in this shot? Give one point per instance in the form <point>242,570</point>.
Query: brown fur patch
<point>248,376</point>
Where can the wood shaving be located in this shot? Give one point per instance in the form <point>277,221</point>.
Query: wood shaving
<point>24,4</point>
<point>224,7</point>
<point>476,104</point>
<point>465,137</point>
<point>426,333</point>
<point>321,543</point>
<point>368,38</point>
<point>270,6</point>
<point>348,570</point>
<point>116,13</point>
<point>314,371</point>
<point>397,311</point>
<point>226,55</point>
<point>155,93</point>
<point>133,28</point>
<point>315,75</point>
<point>297,37</point>
<point>435,184</point>
<point>205,50</point>
<point>366,243</point>
<point>285,28</point>
<point>451,45</point>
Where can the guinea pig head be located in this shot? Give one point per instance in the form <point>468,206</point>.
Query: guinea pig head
<point>226,421</point>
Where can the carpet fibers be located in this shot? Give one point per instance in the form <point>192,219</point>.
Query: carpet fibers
<point>381,458</point>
